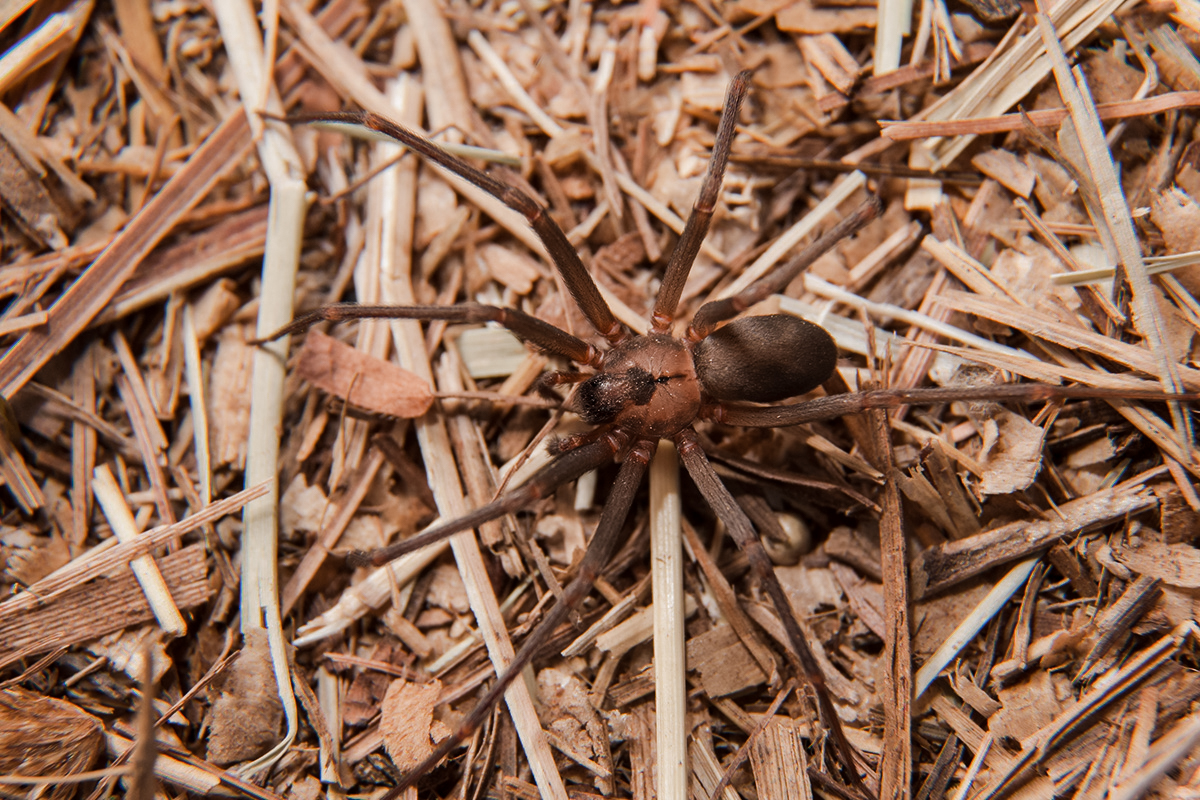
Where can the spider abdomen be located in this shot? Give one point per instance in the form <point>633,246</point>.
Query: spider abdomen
<point>764,359</point>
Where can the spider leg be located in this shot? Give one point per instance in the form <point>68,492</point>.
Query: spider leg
<point>710,314</point>
<point>531,329</point>
<point>567,467</point>
<point>738,524</point>
<point>838,405</point>
<point>612,519</point>
<point>696,228</point>
<point>562,253</point>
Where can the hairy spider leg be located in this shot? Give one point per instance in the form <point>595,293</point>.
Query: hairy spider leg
<point>833,406</point>
<point>562,253</point>
<point>567,467</point>
<point>696,228</point>
<point>529,328</point>
<point>739,527</point>
<point>709,315</point>
<point>599,550</point>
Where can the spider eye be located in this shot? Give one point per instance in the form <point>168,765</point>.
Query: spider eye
<point>764,359</point>
<point>605,395</point>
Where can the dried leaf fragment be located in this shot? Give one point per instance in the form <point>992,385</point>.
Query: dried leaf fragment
<point>247,712</point>
<point>362,380</point>
<point>725,665</point>
<point>1012,452</point>
<point>804,17</point>
<point>27,200</point>
<point>515,270</point>
<point>407,724</point>
<point>229,388</point>
<point>1004,167</point>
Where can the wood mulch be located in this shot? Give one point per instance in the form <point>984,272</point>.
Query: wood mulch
<point>1002,596</point>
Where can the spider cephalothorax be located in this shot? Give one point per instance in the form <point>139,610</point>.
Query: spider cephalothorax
<point>648,386</point>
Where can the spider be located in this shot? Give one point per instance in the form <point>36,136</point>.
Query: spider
<point>643,388</point>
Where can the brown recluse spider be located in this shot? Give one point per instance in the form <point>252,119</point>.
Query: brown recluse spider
<point>645,388</point>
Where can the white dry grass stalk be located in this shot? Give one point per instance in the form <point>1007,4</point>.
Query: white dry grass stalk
<point>1085,124</point>
<point>368,595</point>
<point>170,770</point>
<point>24,322</point>
<point>883,255</point>
<point>823,288</point>
<point>613,617</point>
<point>330,700</point>
<point>124,527</point>
<point>396,288</point>
<point>707,772</point>
<point>1155,265</point>
<point>976,764</point>
<point>1037,324</point>
<point>112,554</point>
<point>972,624</point>
<point>199,404</point>
<point>1046,372</point>
<point>966,268</point>
<point>624,636</point>
<point>56,34</point>
<point>243,40</point>
<point>1167,751</point>
<point>511,85</point>
<point>894,23</point>
<point>670,662</point>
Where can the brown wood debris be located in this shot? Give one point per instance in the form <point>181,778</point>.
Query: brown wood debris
<point>1001,594</point>
<point>43,737</point>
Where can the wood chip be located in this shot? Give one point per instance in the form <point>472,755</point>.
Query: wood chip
<point>406,721</point>
<point>102,606</point>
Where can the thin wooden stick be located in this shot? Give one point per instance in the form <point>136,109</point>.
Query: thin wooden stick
<point>108,493</point>
<point>670,664</point>
<point>1042,118</point>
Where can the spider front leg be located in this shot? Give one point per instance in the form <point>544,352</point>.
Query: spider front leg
<point>739,527</point>
<point>838,405</point>
<point>604,541</point>
<point>562,253</point>
<point>530,329</point>
<point>567,467</point>
<point>696,228</point>
<point>711,314</point>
